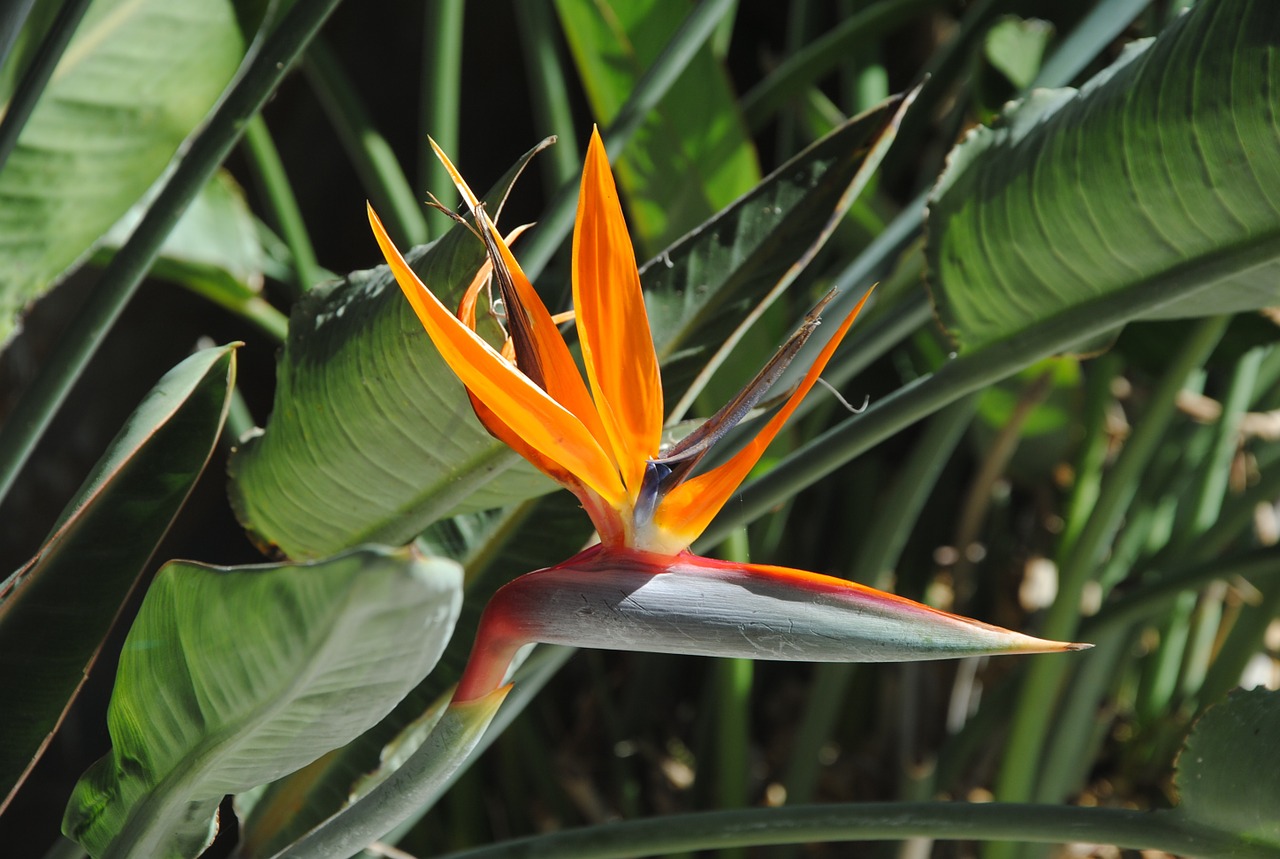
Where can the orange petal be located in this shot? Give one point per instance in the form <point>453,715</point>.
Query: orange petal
<point>545,425</point>
<point>687,509</point>
<point>556,367</point>
<point>613,326</point>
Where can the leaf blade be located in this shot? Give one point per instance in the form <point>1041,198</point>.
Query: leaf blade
<point>142,74</point>
<point>258,671</point>
<point>1080,196</point>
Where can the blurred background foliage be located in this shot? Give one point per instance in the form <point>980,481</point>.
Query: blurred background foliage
<point>1136,486</point>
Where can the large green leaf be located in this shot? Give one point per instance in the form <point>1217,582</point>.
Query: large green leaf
<point>692,156</point>
<point>372,437</point>
<point>1161,168</point>
<point>55,611</point>
<point>140,74</point>
<point>230,678</point>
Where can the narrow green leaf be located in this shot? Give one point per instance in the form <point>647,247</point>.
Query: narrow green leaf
<point>141,74</point>
<point>695,133</point>
<point>371,436</point>
<point>230,678</point>
<point>55,611</point>
<point>1161,165</point>
<point>1227,776</point>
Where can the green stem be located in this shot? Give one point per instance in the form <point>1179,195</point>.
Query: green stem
<point>1097,29</point>
<point>262,74</point>
<point>31,87</point>
<point>12,16</point>
<point>274,181</point>
<point>441,97</point>
<point>1093,449</point>
<point>1165,831</point>
<point>649,90</point>
<point>1152,600</point>
<point>733,679</point>
<point>461,736</point>
<point>370,154</point>
<point>1034,712</point>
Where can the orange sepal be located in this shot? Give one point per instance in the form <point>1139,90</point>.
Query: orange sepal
<point>545,425</point>
<point>557,369</point>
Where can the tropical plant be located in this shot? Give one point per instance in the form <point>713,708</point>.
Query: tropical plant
<point>1070,377</point>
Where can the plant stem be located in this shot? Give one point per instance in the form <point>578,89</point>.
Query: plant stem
<point>876,822</point>
<point>274,181</point>
<point>261,75</point>
<point>462,735</point>
<point>973,371</point>
<point>801,69</point>
<point>548,89</point>
<point>892,524</point>
<point>733,679</point>
<point>368,150</point>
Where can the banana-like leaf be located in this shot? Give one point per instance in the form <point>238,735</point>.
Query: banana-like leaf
<point>372,437</point>
<point>696,132</point>
<point>494,549</point>
<point>55,611</point>
<point>1227,778</point>
<point>230,678</point>
<point>141,74</point>
<point>1163,168</point>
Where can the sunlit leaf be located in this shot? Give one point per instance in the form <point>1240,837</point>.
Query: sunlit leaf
<point>139,75</point>
<point>703,287</point>
<point>232,677</point>
<point>214,250</point>
<point>494,548</point>
<point>1162,169</point>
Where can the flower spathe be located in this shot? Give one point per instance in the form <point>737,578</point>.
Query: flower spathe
<point>601,440</point>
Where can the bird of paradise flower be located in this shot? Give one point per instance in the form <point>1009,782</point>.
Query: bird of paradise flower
<point>640,587</point>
